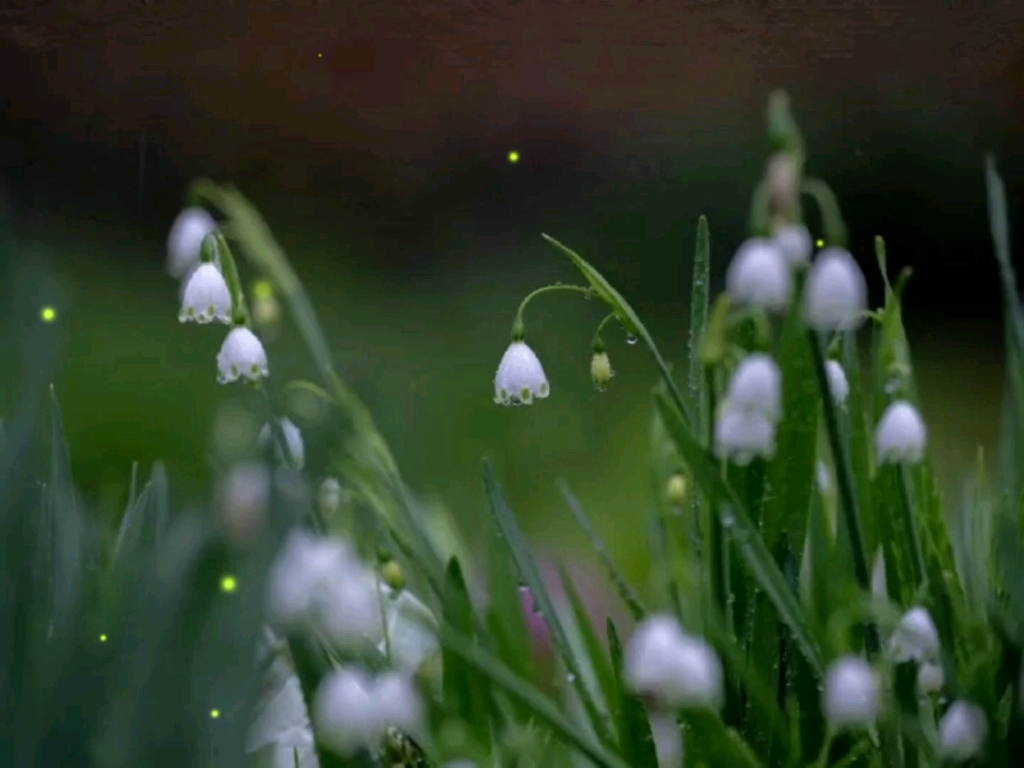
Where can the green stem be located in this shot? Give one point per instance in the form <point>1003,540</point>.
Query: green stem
<point>518,332</point>
<point>822,760</point>
<point>911,525</point>
<point>239,309</point>
<point>844,482</point>
<point>598,344</point>
<point>832,218</point>
<point>717,543</point>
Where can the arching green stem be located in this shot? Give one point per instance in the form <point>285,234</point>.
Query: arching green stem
<point>598,344</point>
<point>518,330</point>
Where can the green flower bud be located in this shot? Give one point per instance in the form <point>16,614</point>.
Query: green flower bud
<point>677,489</point>
<point>601,369</point>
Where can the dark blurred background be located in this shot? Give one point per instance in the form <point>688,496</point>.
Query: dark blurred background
<point>374,137</point>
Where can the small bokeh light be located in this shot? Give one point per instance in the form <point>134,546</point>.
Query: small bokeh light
<point>214,713</point>
<point>513,157</point>
<point>103,638</point>
<point>228,584</point>
<point>820,243</point>
<point>48,314</point>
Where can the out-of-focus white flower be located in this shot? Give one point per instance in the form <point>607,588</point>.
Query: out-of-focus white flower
<point>901,434</point>
<point>244,496</point>
<point>962,731</point>
<point>671,667</point>
<point>206,297</point>
<point>759,275</point>
<point>460,764</point>
<point>852,693</point>
<point>520,377</point>
<point>411,630</point>
<point>837,383</point>
<point>915,638</point>
<point>930,678</point>
<point>328,496</point>
<point>879,588</point>
<point>823,478</point>
<point>241,355</point>
<point>344,713</point>
<point>601,370</point>
<point>185,240</point>
<point>292,438</point>
<point>740,436</point>
<point>756,386</point>
<point>795,242</point>
<point>835,294</point>
<point>782,180</point>
<point>398,703</point>
<point>347,608</point>
<point>668,739</point>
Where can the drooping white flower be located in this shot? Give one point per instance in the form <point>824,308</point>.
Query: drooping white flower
<point>930,678</point>
<point>520,377</point>
<point>244,497</point>
<point>838,386</point>
<point>962,731</point>
<point>328,496</point>
<point>206,297</point>
<point>398,703</point>
<point>740,436</point>
<point>346,607</point>
<point>915,637</point>
<point>671,667</point>
<point>411,630</point>
<point>835,294</point>
<point>344,713</point>
<point>303,563</point>
<point>185,240</point>
<point>901,434</point>
<point>756,386</point>
<point>759,275</point>
<point>795,242</point>
<point>852,693</point>
<point>668,739</point>
<point>241,355</point>
<point>292,438</point>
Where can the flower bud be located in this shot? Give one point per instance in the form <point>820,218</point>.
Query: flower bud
<point>838,386</point>
<point>393,575</point>
<point>759,275</point>
<point>677,490</point>
<point>520,377</point>
<point>601,370</point>
<point>852,693</point>
<point>835,294</point>
<point>782,181</point>
<point>901,434</point>
<point>962,732</point>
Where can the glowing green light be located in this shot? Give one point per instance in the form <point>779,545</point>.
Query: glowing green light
<point>214,713</point>
<point>103,638</point>
<point>48,314</point>
<point>228,584</point>
<point>820,243</point>
<point>262,289</point>
<point>513,157</point>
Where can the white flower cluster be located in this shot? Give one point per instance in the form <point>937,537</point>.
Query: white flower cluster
<point>745,428</point>
<point>205,297</point>
<point>672,668</point>
<point>351,709</point>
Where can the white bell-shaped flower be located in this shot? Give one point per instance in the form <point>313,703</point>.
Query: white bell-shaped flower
<point>241,356</point>
<point>759,275</point>
<point>901,434</point>
<point>852,693</point>
<point>206,297</point>
<point>835,294</point>
<point>915,637</point>
<point>292,438</point>
<point>185,240</point>
<point>411,630</point>
<point>346,607</point>
<point>962,732</point>
<point>304,562</point>
<point>398,703</point>
<point>741,436</point>
<point>520,377</point>
<point>795,242</point>
<point>671,667</point>
<point>838,386</point>
<point>930,678</point>
<point>756,386</point>
<point>344,713</point>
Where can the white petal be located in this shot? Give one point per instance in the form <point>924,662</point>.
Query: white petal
<point>795,242</point>
<point>835,294</point>
<point>343,712</point>
<point>520,377</point>
<point>930,678</point>
<point>915,637</point>
<point>852,692</point>
<point>292,438</point>
<point>741,435</point>
<point>185,240</point>
<point>649,652</point>
<point>398,703</point>
<point>901,434</point>
<point>756,386</point>
<point>759,275</point>
<point>962,732</point>
<point>206,297</point>
<point>241,355</point>
<point>837,383</point>
<point>412,630</point>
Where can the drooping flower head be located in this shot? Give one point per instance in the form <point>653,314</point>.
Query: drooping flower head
<point>835,294</point>
<point>795,243</point>
<point>962,732</point>
<point>756,387</point>
<point>185,240</point>
<point>206,297</point>
<point>741,436</point>
<point>241,356</point>
<point>901,434</point>
<point>759,276</point>
<point>671,667</point>
<point>520,377</point>
<point>852,694</point>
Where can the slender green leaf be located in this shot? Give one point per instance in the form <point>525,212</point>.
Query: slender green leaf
<point>709,742</point>
<point>736,519</point>
<point>599,663</point>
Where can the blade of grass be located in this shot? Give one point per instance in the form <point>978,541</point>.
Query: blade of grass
<point>520,550</point>
<point>735,518</point>
<point>599,663</point>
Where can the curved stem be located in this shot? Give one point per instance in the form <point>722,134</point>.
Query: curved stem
<point>239,309</point>
<point>598,344</point>
<point>518,332</point>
